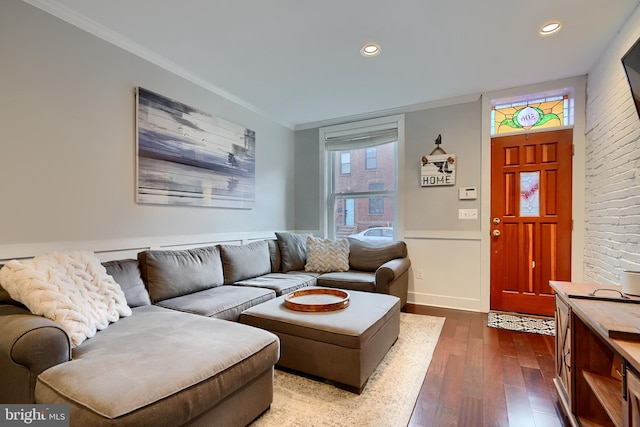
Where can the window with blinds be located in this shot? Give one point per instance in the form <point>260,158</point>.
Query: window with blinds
<point>361,181</point>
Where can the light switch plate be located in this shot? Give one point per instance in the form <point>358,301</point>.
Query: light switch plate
<point>467,213</point>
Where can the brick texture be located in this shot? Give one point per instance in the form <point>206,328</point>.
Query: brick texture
<point>612,217</point>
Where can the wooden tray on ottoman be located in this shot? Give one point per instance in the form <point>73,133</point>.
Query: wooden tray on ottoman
<point>317,300</point>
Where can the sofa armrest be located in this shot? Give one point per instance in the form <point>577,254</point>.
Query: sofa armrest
<point>29,345</point>
<point>392,278</point>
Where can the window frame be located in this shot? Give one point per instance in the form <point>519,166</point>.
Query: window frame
<point>328,199</point>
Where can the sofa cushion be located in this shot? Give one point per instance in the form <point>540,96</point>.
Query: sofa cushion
<point>141,372</point>
<point>324,255</point>
<point>365,256</point>
<point>293,250</point>
<point>169,274</point>
<point>245,261</point>
<point>127,274</point>
<point>351,280</point>
<point>281,283</point>
<point>222,302</point>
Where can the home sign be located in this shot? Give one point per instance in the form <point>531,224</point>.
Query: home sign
<point>438,170</point>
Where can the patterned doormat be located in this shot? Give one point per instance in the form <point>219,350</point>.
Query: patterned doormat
<point>522,323</point>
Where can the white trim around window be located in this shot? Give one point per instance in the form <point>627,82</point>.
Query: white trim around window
<point>354,128</point>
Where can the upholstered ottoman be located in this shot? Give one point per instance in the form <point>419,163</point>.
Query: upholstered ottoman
<point>343,346</point>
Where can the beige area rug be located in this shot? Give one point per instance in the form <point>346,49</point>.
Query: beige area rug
<point>387,400</point>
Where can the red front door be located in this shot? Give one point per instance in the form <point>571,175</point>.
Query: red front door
<point>530,219</point>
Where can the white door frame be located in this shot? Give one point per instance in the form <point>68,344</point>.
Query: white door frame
<point>577,87</point>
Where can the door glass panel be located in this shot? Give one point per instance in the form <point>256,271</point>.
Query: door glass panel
<point>529,194</point>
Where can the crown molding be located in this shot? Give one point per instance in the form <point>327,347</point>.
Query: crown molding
<point>392,111</point>
<point>72,17</point>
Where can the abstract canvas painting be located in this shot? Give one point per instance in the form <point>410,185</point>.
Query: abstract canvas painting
<point>188,157</point>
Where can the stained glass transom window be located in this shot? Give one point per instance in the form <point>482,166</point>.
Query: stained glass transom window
<point>530,193</point>
<point>538,113</point>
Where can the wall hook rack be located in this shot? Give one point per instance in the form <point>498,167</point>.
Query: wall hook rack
<point>438,148</point>
<point>435,150</point>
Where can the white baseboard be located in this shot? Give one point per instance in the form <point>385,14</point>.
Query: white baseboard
<point>445,301</point>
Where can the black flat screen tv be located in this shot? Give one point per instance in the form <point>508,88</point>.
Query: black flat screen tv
<point>631,64</point>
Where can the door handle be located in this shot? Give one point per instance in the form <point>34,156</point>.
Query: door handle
<point>495,233</point>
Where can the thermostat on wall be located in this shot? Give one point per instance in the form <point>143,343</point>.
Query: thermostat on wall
<point>467,193</point>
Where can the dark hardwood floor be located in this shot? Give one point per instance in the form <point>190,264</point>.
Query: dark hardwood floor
<point>481,376</point>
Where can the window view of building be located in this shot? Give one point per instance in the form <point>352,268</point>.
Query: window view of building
<point>359,172</point>
<point>371,158</point>
<point>376,204</point>
<point>364,185</point>
<point>345,163</point>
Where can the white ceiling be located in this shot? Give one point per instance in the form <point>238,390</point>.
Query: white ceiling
<point>298,61</point>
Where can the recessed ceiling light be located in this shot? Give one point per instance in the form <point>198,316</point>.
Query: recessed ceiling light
<point>370,49</point>
<point>550,28</point>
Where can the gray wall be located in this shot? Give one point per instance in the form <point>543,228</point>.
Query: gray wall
<point>67,123</point>
<point>436,208</point>
<point>612,235</point>
<point>425,208</point>
<point>307,192</point>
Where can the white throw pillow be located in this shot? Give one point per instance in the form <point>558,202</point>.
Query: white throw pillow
<point>71,288</point>
<point>324,256</point>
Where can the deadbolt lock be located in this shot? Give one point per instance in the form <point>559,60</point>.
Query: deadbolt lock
<point>496,221</point>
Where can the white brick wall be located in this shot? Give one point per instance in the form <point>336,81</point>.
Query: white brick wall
<point>612,166</point>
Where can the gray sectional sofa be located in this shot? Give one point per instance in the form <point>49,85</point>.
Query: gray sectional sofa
<point>180,358</point>
<point>381,268</point>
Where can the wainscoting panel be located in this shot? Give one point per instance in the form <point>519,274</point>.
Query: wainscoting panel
<point>107,250</point>
<point>450,260</point>
<point>450,266</point>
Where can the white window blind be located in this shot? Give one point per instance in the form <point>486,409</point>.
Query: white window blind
<point>354,141</point>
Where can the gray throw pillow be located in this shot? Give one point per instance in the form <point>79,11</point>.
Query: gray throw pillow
<point>274,254</point>
<point>127,274</point>
<point>293,251</point>
<point>169,274</point>
<point>364,256</point>
<point>245,261</point>
<point>4,295</point>
<point>5,298</point>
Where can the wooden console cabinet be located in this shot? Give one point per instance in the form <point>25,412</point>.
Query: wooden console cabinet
<point>597,356</point>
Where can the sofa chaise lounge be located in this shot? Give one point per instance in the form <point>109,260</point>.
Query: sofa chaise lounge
<point>180,358</point>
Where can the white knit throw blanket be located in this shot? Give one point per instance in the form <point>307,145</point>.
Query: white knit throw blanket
<point>71,288</point>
